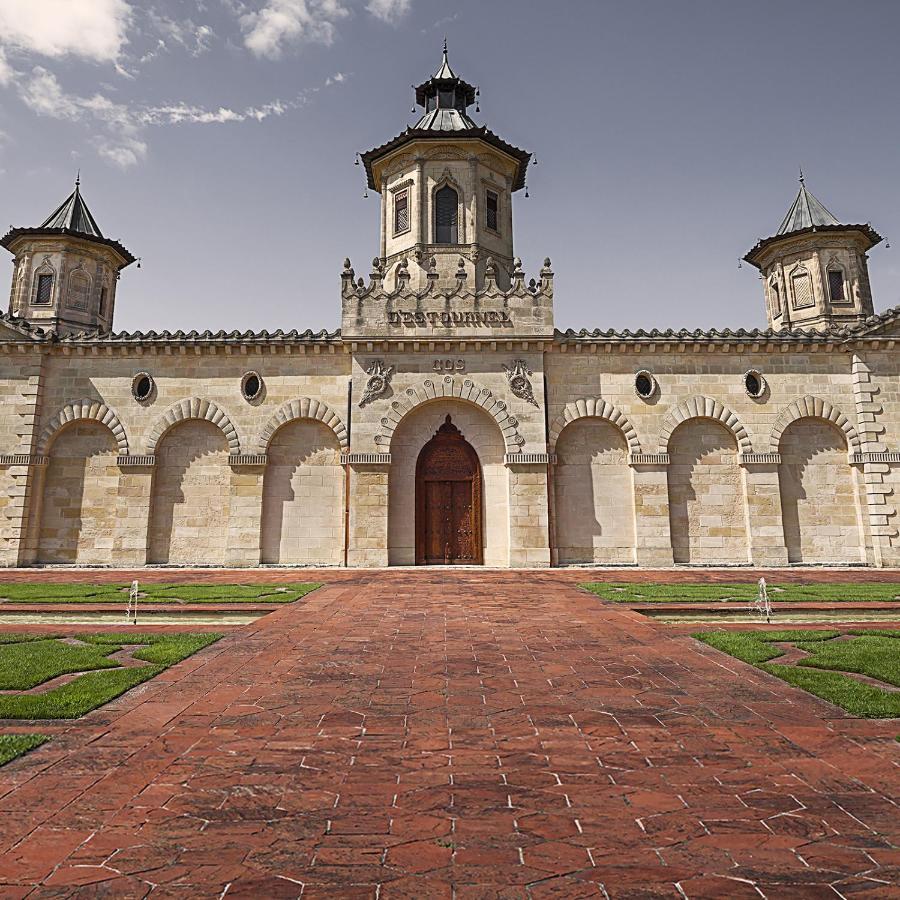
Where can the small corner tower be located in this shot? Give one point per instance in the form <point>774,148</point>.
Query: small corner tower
<point>815,269</point>
<point>446,187</point>
<point>66,271</point>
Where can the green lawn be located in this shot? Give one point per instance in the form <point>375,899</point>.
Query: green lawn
<point>155,593</point>
<point>14,745</point>
<point>832,592</point>
<point>872,652</point>
<point>27,661</point>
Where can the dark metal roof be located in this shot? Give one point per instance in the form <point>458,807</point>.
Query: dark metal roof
<point>73,215</point>
<point>807,215</point>
<point>480,132</point>
<point>867,230</point>
<point>444,77</point>
<point>805,212</point>
<point>445,120</point>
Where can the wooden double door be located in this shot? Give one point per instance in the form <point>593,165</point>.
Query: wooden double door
<point>448,500</point>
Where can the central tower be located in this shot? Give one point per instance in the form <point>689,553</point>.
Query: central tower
<point>446,187</point>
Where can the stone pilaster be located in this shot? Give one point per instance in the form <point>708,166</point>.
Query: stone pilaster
<point>245,519</point>
<point>652,533</point>
<point>762,502</point>
<point>133,510</point>
<point>529,535</point>
<point>368,540</point>
<point>880,513</point>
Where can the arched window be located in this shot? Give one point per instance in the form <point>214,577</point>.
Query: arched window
<point>802,288</point>
<point>42,290</point>
<point>446,207</point>
<point>836,285</point>
<point>79,290</point>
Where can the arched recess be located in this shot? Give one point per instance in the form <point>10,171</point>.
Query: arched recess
<point>451,388</point>
<point>819,502</point>
<point>303,494</point>
<point>817,408</point>
<point>76,496</point>
<point>84,409</point>
<point>302,408</point>
<point>593,493</point>
<point>195,408</point>
<point>707,506</point>
<point>704,408</point>
<point>597,408</point>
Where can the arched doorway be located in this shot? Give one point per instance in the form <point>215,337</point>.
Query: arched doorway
<point>448,500</point>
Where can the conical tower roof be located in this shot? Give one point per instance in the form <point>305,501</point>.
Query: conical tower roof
<point>808,214</point>
<point>73,215</point>
<point>805,212</point>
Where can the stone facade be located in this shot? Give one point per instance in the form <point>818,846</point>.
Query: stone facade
<point>653,448</point>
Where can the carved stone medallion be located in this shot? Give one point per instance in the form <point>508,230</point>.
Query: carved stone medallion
<point>519,381</point>
<point>378,383</point>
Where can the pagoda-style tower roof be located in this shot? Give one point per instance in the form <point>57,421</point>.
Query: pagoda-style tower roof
<point>445,99</point>
<point>807,214</point>
<point>71,218</point>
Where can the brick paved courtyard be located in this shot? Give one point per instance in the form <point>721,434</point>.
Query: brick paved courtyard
<point>460,734</point>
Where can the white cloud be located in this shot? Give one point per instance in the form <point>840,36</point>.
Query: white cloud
<point>6,72</point>
<point>178,113</point>
<point>194,38</point>
<point>283,22</point>
<point>390,11</point>
<point>119,140</point>
<point>93,29</point>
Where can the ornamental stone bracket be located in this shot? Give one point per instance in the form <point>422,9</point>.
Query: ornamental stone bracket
<point>519,378</point>
<point>378,383</point>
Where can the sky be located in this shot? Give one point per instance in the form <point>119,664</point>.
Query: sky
<point>216,141</point>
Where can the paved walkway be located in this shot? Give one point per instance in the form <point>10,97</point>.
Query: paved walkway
<point>432,734</point>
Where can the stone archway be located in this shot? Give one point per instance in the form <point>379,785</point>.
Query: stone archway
<point>448,500</point>
<point>413,433</point>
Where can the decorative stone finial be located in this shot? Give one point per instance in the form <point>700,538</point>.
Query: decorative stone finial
<point>347,266</point>
<point>517,266</point>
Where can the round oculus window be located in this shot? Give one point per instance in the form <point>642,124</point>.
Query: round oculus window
<point>142,386</point>
<point>644,384</point>
<point>754,384</point>
<point>251,385</point>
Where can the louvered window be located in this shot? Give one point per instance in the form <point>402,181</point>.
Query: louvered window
<point>401,212</point>
<point>103,303</point>
<point>802,290</point>
<point>836,286</point>
<point>445,216</point>
<point>776,299</point>
<point>44,289</point>
<point>492,208</point>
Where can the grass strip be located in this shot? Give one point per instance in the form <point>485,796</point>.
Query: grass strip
<point>157,593</point>
<point>622,592</point>
<point>871,652</point>
<point>94,688</point>
<point>13,746</point>
<point>30,663</point>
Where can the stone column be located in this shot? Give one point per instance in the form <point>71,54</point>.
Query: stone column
<point>762,505</point>
<point>135,493</point>
<point>245,518</point>
<point>529,534</point>
<point>369,485</point>
<point>653,538</point>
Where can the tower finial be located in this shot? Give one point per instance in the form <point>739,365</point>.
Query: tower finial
<point>445,49</point>
<point>802,179</point>
<point>78,178</point>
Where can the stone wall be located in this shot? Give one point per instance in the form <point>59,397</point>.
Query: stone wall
<point>699,473</point>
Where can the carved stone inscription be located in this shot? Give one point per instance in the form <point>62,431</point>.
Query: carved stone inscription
<point>478,318</point>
